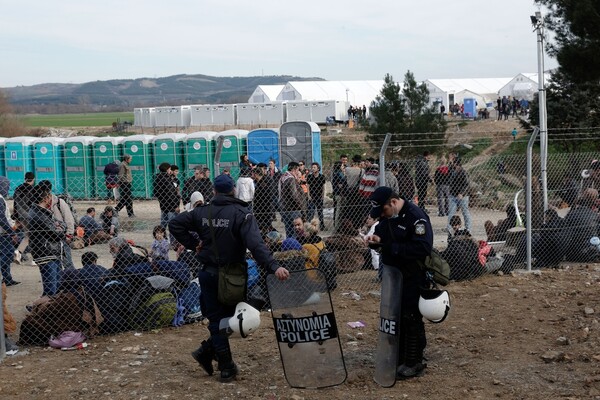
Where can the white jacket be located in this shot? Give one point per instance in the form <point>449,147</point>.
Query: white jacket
<point>244,189</point>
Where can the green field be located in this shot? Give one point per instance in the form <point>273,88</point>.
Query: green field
<point>72,120</point>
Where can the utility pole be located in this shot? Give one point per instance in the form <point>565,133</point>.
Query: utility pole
<point>538,25</point>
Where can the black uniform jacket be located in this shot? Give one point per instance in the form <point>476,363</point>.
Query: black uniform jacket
<point>235,230</point>
<point>405,238</point>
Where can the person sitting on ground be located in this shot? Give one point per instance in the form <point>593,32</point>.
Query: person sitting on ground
<point>462,253</point>
<point>317,254</point>
<point>497,233</point>
<point>110,221</point>
<point>298,224</point>
<point>160,245</point>
<point>291,255</point>
<point>349,248</point>
<point>580,225</point>
<point>91,274</point>
<point>124,257</point>
<point>547,247</point>
<point>312,243</point>
<point>93,230</point>
<point>273,240</point>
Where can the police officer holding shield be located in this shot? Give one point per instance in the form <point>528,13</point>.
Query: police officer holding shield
<point>234,229</point>
<point>404,236</point>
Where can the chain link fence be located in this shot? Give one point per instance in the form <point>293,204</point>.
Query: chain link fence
<point>105,262</point>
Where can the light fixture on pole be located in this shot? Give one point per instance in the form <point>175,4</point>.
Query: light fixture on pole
<point>538,25</point>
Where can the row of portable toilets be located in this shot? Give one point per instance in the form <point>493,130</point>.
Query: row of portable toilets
<point>76,165</point>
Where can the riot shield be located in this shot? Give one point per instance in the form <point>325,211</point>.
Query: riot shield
<point>306,330</point>
<point>389,326</point>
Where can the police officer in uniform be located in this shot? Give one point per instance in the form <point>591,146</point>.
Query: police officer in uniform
<point>235,230</point>
<point>405,237</point>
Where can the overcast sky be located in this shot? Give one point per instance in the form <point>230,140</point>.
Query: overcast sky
<point>70,41</point>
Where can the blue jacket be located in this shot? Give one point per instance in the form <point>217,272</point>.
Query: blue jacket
<point>235,230</point>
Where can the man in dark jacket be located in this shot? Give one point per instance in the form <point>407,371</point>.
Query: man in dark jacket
<point>226,228</point>
<point>459,194</point>
<point>579,226</point>
<point>23,198</point>
<point>422,177</point>
<point>46,238</point>
<point>263,207</point>
<point>166,194</point>
<point>200,182</point>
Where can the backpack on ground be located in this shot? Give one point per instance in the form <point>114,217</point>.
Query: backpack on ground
<point>69,201</point>
<point>154,305</point>
<point>156,312</point>
<point>437,268</point>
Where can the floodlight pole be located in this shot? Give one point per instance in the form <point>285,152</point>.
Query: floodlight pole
<point>539,27</point>
<point>528,201</point>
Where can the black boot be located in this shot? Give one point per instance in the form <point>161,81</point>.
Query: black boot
<point>414,345</point>
<point>205,355</point>
<point>226,365</point>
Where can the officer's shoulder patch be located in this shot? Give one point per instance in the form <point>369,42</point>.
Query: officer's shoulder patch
<point>420,227</point>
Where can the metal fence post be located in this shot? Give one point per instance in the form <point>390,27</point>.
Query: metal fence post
<point>2,341</point>
<point>384,146</point>
<point>529,208</point>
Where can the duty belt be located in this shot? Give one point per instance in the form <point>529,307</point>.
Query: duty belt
<point>211,270</point>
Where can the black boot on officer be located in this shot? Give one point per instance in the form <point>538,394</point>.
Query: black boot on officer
<point>205,355</point>
<point>411,358</point>
<point>226,365</point>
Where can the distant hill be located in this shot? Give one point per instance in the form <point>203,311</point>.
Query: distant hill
<point>125,94</point>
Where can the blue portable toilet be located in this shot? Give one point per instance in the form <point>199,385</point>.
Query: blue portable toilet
<point>234,145</point>
<point>18,159</point>
<point>300,141</point>
<point>2,165</point>
<point>104,151</point>
<point>79,167</point>
<point>49,162</point>
<point>139,147</point>
<point>263,145</point>
<point>470,108</point>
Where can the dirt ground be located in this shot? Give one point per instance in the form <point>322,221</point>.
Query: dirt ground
<point>519,336</point>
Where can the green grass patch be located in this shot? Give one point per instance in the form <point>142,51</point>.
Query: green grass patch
<point>476,147</point>
<point>72,120</point>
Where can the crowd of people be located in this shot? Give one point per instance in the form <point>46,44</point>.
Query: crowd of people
<point>209,223</point>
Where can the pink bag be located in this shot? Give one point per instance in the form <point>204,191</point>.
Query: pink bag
<point>66,339</point>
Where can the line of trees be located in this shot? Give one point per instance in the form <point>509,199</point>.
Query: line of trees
<point>573,92</point>
<point>406,114</point>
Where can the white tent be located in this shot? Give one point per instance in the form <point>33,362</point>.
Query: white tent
<point>445,90</point>
<point>356,93</point>
<point>482,101</point>
<point>265,93</point>
<point>522,86</point>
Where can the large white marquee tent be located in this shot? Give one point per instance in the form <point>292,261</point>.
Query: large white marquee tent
<point>265,94</point>
<point>448,91</point>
